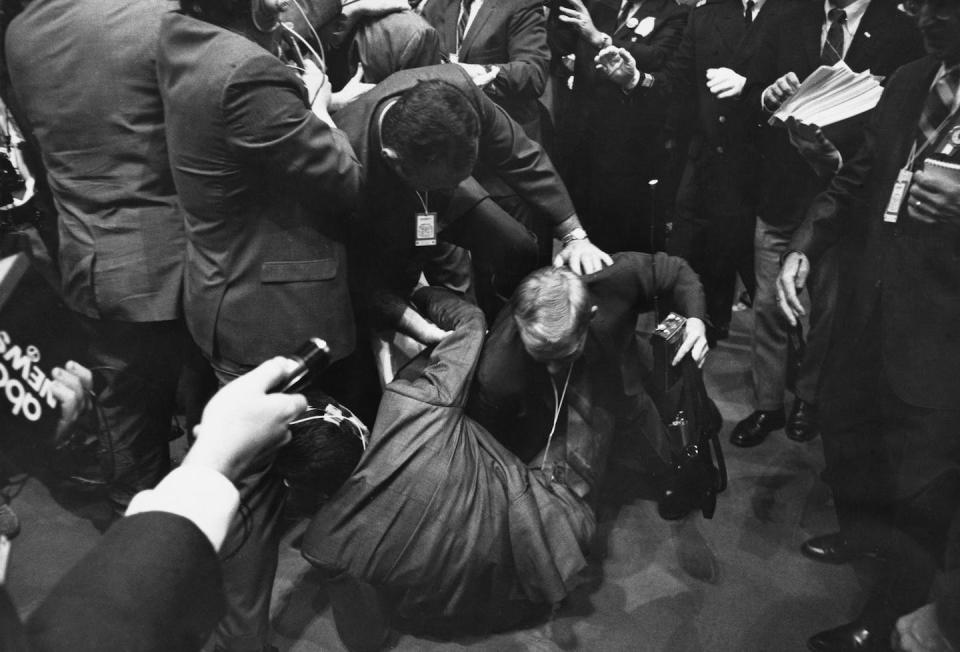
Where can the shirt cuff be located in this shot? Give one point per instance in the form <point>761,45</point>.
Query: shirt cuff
<point>197,493</point>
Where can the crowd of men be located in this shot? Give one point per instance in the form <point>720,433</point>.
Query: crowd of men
<point>207,201</point>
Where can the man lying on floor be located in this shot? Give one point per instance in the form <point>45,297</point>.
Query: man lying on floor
<point>440,520</point>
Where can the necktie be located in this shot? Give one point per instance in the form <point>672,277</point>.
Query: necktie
<point>462,23</point>
<point>938,105</point>
<point>748,13</point>
<point>832,51</point>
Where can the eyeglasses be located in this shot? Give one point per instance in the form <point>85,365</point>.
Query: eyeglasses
<point>939,9</point>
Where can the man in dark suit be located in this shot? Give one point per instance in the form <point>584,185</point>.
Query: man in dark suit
<point>419,135</point>
<point>263,178</point>
<point>866,34</point>
<point>533,340</point>
<point>719,190</point>
<point>84,76</point>
<point>610,144</point>
<point>890,391</point>
<point>510,36</point>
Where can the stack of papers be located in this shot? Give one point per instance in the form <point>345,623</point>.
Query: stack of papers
<point>831,94</point>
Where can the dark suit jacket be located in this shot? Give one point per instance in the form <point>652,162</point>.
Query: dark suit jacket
<point>261,181</point>
<point>440,513</point>
<point>724,132</point>
<point>84,74</point>
<point>152,583</point>
<point>504,397</point>
<point>886,39</point>
<point>388,205</point>
<point>908,273</point>
<point>511,34</point>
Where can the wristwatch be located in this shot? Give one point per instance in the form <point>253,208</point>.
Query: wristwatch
<point>576,233</point>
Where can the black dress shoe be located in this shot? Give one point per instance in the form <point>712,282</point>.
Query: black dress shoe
<point>852,637</point>
<point>802,424</point>
<point>834,548</point>
<point>755,428</point>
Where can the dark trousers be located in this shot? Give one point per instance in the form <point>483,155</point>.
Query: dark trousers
<point>136,367</point>
<point>250,553</point>
<point>716,239</point>
<point>894,470</point>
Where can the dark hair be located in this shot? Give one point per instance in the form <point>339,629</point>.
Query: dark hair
<point>218,12</point>
<point>323,450</point>
<point>430,123</point>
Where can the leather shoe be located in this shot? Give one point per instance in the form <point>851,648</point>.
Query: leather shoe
<point>802,424</point>
<point>755,428</point>
<point>834,548</point>
<point>852,637</point>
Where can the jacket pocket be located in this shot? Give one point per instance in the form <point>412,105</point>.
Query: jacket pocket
<point>298,270</point>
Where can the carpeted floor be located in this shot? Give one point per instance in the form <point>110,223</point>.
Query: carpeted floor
<point>734,583</point>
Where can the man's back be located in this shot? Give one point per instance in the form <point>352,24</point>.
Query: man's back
<point>84,73</point>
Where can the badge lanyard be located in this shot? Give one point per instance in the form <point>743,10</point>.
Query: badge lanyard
<point>558,400</point>
<point>426,233</point>
<point>905,175</point>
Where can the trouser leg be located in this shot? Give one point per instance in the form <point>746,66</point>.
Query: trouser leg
<point>136,367</point>
<point>770,324</point>
<point>249,555</point>
<point>823,287</point>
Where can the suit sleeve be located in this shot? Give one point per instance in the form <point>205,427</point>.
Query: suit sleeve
<point>269,121</point>
<point>842,202</point>
<point>151,583</point>
<point>446,379</point>
<point>672,278</point>
<point>524,74</point>
<point>520,162</point>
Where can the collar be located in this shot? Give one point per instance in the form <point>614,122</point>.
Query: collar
<point>758,4</point>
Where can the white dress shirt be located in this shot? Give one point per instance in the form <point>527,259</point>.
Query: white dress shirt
<point>756,8</point>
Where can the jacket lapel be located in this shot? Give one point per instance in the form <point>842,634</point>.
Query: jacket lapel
<point>483,15</point>
<point>811,29</point>
<point>647,9</point>
<point>448,30</point>
<point>729,24</point>
<point>861,53</point>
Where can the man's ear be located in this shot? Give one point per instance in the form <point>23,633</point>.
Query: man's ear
<point>593,311</point>
<point>392,158</point>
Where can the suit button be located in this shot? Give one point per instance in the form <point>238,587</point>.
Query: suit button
<point>722,119</point>
<point>719,149</point>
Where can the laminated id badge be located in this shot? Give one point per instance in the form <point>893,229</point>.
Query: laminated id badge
<point>426,230</point>
<point>897,196</point>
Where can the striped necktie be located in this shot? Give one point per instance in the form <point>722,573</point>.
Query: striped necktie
<point>938,105</point>
<point>832,51</point>
<point>464,19</point>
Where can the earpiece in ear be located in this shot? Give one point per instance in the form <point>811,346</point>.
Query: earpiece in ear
<point>266,14</point>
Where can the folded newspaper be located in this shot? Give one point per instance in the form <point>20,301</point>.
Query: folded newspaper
<point>831,94</point>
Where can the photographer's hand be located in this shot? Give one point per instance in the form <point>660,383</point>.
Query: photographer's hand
<point>243,424</point>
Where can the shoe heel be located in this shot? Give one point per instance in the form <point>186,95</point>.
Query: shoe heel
<point>709,504</point>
